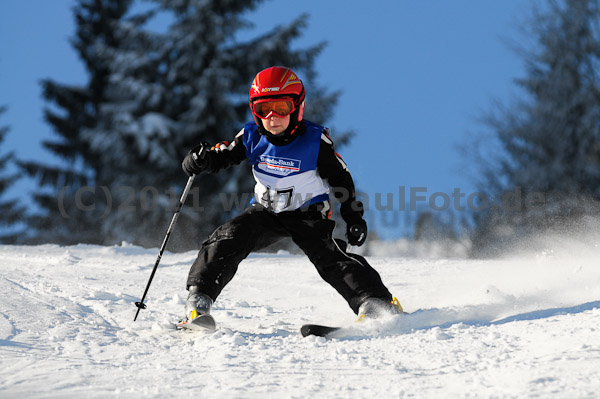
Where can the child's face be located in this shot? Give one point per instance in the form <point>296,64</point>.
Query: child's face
<point>275,124</point>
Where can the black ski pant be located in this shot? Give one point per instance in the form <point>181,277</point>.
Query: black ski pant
<point>257,227</point>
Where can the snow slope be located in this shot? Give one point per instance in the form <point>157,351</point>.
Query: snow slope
<point>518,327</point>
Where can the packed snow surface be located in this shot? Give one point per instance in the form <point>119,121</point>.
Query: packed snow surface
<point>524,326</point>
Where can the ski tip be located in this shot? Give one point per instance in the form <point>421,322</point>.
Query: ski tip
<point>317,330</point>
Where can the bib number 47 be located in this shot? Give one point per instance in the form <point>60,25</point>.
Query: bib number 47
<point>277,199</point>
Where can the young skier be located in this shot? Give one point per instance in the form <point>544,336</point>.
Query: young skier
<point>294,165</point>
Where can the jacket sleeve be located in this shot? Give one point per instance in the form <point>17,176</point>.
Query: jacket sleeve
<point>333,169</point>
<point>226,154</point>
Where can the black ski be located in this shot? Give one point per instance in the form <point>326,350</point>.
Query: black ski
<point>318,330</point>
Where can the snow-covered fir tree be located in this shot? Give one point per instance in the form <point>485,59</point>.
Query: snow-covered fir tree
<point>132,137</point>
<point>549,170</point>
<point>152,96</point>
<point>71,202</point>
<point>10,210</point>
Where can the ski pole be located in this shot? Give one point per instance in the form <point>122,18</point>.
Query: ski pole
<point>140,305</point>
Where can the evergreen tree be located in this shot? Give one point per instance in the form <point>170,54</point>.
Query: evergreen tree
<point>153,96</point>
<point>10,211</point>
<point>548,176</point>
<point>71,202</point>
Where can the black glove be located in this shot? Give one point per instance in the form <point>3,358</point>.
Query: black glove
<point>194,162</point>
<point>356,232</point>
<point>356,228</point>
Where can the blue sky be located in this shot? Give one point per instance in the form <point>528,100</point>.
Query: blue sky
<point>414,79</point>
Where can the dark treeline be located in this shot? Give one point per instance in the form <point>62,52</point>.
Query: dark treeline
<point>152,95</point>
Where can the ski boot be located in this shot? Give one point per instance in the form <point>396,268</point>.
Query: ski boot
<point>197,312</point>
<point>374,308</point>
<point>197,303</point>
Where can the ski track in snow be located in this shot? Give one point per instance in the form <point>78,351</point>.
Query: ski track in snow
<point>511,328</point>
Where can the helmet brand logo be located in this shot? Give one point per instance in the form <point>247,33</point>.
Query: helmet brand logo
<point>267,89</point>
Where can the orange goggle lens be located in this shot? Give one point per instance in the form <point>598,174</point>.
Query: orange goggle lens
<point>265,109</point>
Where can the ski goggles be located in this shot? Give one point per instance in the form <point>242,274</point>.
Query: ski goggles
<point>264,109</point>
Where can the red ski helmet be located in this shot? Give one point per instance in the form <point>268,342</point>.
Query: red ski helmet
<point>277,83</point>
